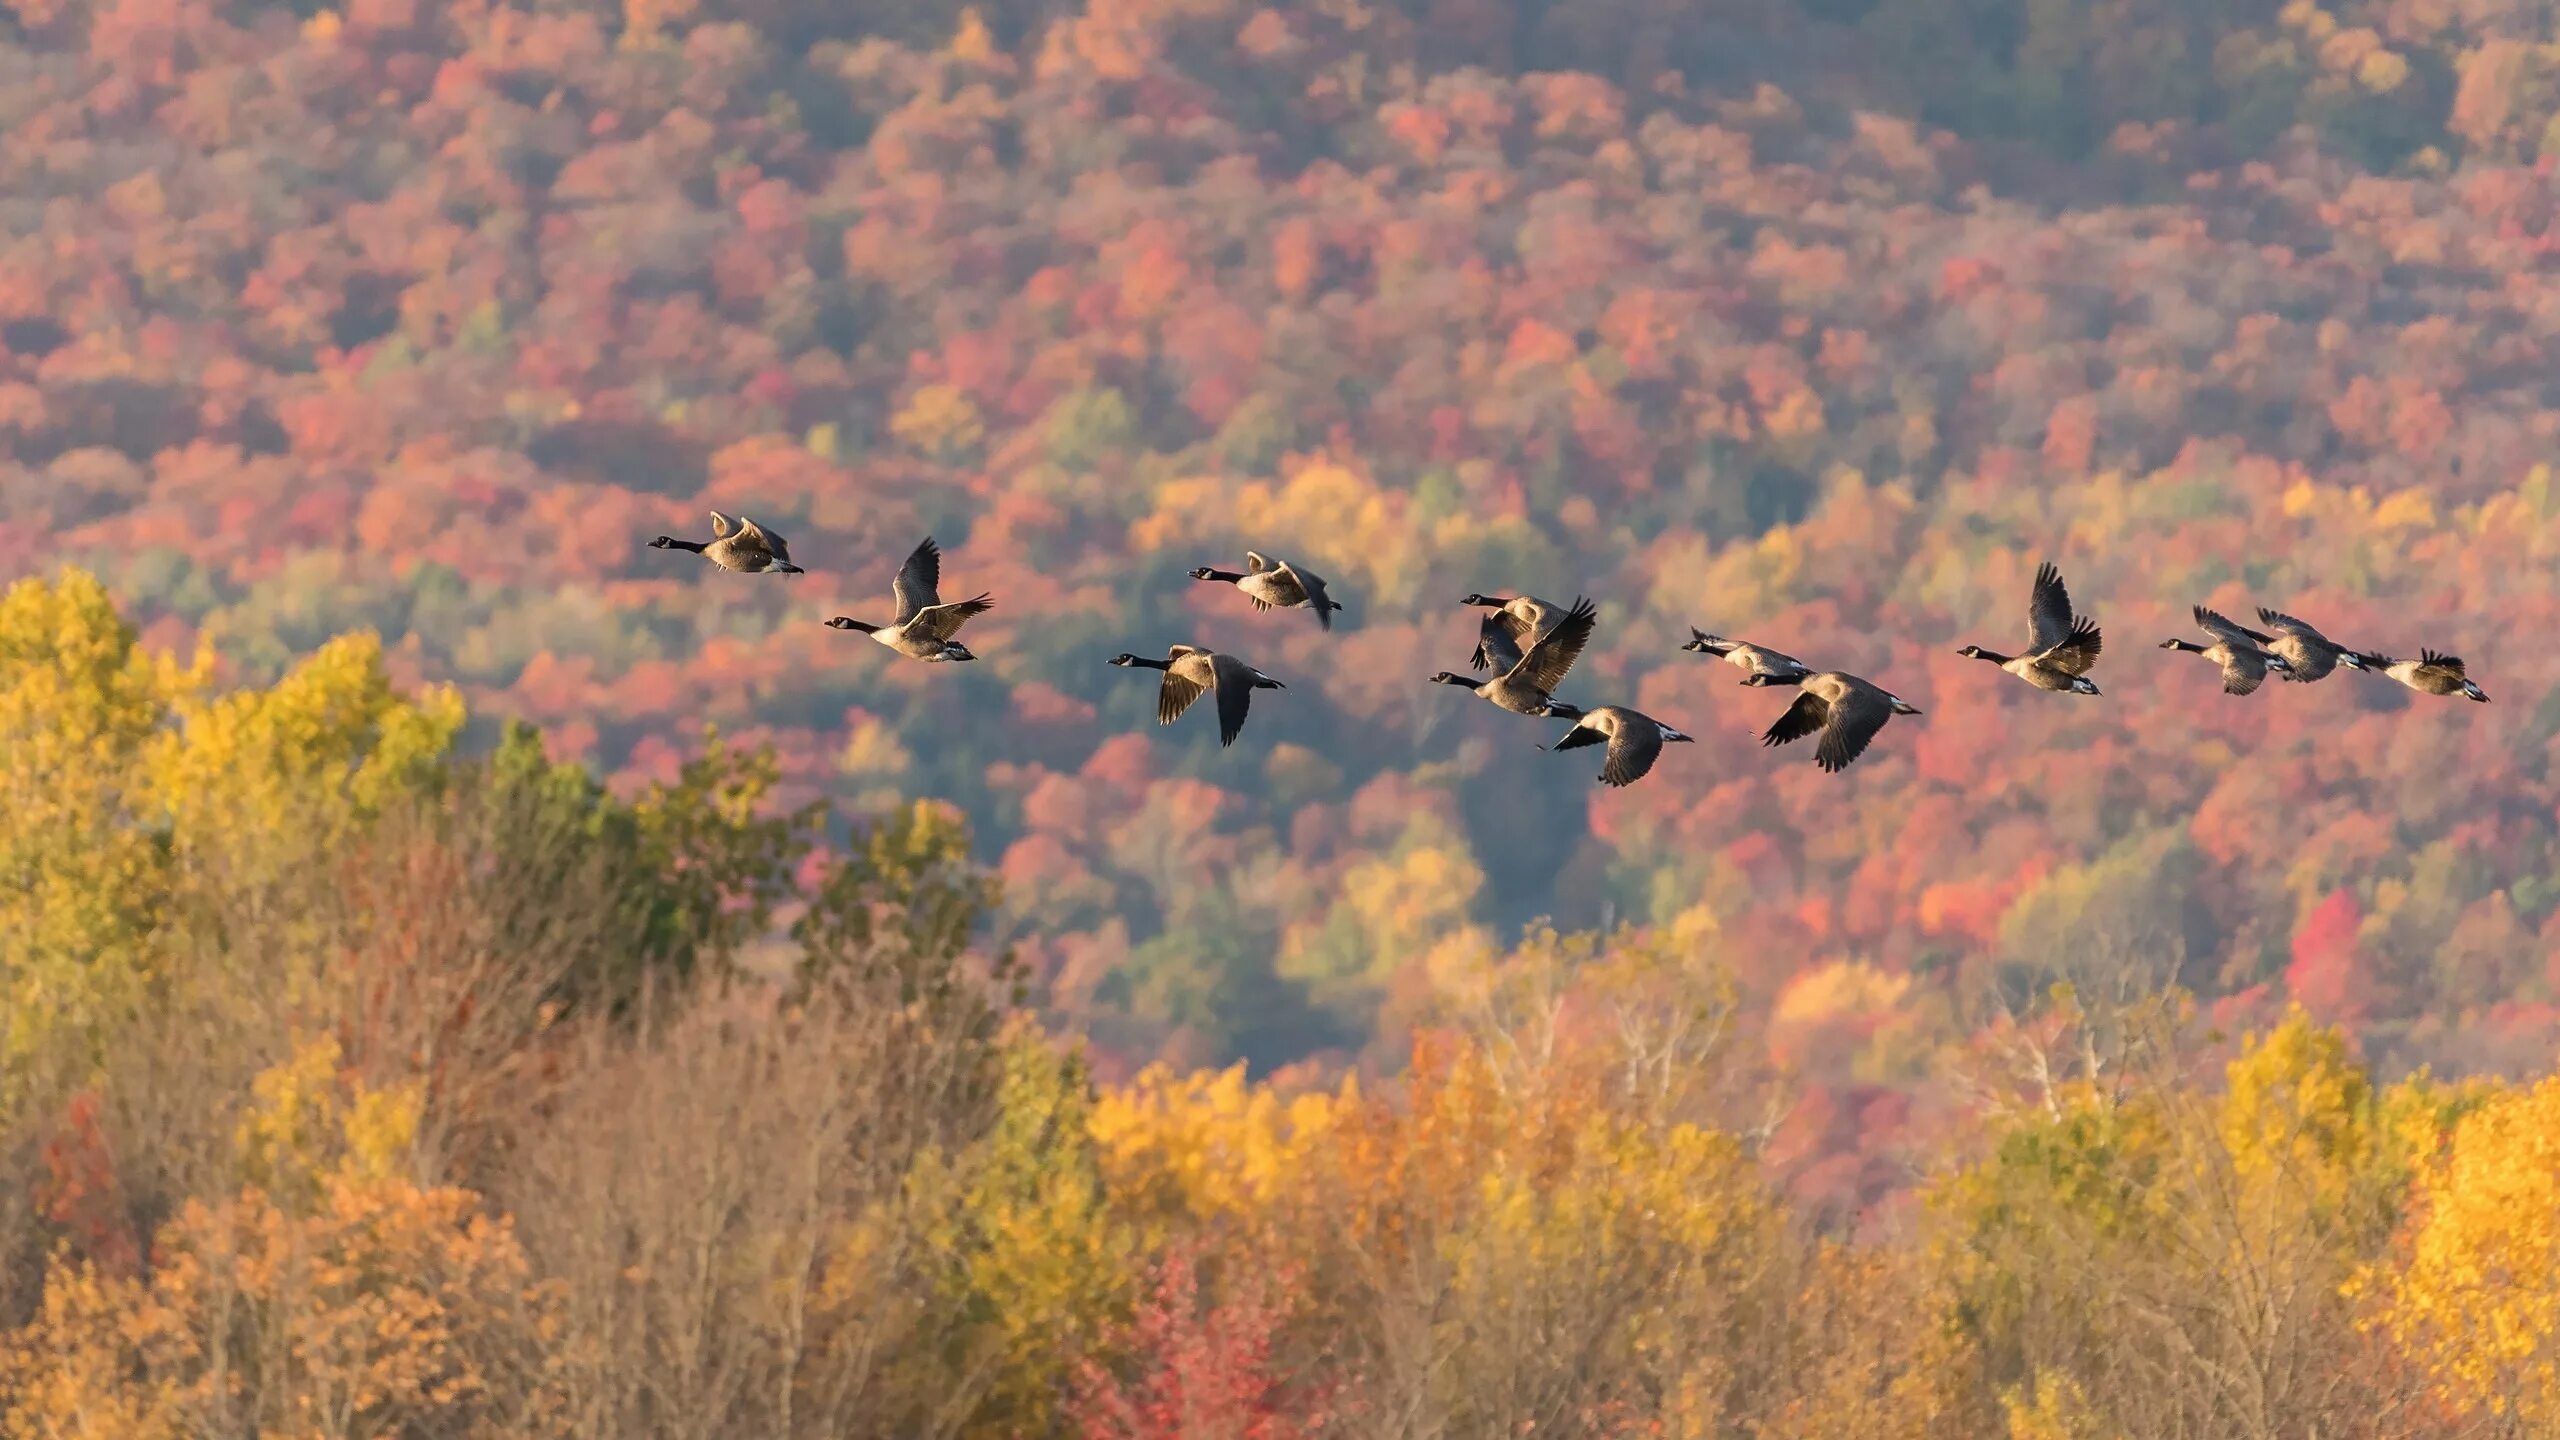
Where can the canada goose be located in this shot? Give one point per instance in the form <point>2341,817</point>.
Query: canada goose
<point>1520,618</point>
<point>1847,710</point>
<point>751,549</point>
<point>1526,687</point>
<point>2243,664</point>
<point>1190,671</point>
<point>2310,654</point>
<point>924,625</point>
<point>2432,673</point>
<point>1754,659</point>
<point>2065,645</point>
<point>1635,740</point>
<point>1276,585</point>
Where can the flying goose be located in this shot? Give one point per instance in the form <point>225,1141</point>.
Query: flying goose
<point>1521,619</point>
<point>2243,664</point>
<point>1276,585</point>
<point>749,548</point>
<point>1527,686</point>
<point>2065,646</point>
<point>1847,710</point>
<point>1635,741</point>
<point>1753,659</point>
<point>1190,672</point>
<point>924,625</point>
<point>2310,654</point>
<point>2432,673</point>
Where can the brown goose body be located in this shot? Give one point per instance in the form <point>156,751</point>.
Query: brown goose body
<point>1845,710</point>
<point>1276,585</point>
<point>1528,686</point>
<point>2432,673</point>
<point>1749,658</point>
<point>1191,672</point>
<point>924,627</point>
<point>2244,666</point>
<point>2062,646</point>
<point>746,547</point>
<point>1635,741</point>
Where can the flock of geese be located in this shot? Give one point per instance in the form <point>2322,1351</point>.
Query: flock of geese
<point>1528,645</point>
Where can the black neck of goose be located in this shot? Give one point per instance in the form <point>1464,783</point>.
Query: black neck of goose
<point>2186,647</point>
<point>1467,680</point>
<point>695,546</point>
<point>1994,656</point>
<point>848,623</point>
<point>1210,572</point>
<point>1143,663</point>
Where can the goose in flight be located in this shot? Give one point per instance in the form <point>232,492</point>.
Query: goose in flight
<point>1191,672</point>
<point>1518,619</point>
<point>2243,664</point>
<point>924,625</point>
<point>1528,686</point>
<point>1846,710</point>
<point>1634,738</point>
<point>1753,659</point>
<point>1276,585</point>
<point>2309,654</point>
<point>2064,646</point>
<point>746,547</point>
<point>2432,673</point>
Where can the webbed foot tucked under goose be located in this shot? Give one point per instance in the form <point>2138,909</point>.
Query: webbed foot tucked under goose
<point>747,547</point>
<point>1527,687</point>
<point>1190,672</point>
<point>1276,585</point>
<point>1516,623</point>
<point>1753,659</point>
<point>1634,738</point>
<point>924,625</point>
<point>2308,654</point>
<point>2243,664</point>
<point>1846,710</point>
<point>2064,646</point>
<point>2432,673</point>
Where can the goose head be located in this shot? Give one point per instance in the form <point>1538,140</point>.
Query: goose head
<point>1971,652</point>
<point>1446,678</point>
<point>1203,572</point>
<point>1124,659</point>
<point>663,542</point>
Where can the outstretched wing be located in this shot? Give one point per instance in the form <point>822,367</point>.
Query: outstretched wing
<point>1183,683</point>
<point>1548,660</point>
<point>2078,650</point>
<point>1313,584</point>
<point>1234,682</point>
<point>1632,750</point>
<point>2219,625</point>
<point>774,545</point>
<point>1502,633</point>
<point>2048,610</point>
<point>1255,563</point>
<point>941,622</point>
<point>1855,719</point>
<point>2451,664</point>
<point>1580,735</point>
<point>1804,717</point>
<point>919,582</point>
<point>2242,671</point>
<point>720,526</point>
<point>2285,624</point>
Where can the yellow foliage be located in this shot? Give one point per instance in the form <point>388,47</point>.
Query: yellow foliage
<point>385,1310</point>
<point>941,421</point>
<point>2055,1409</point>
<point>2410,509</point>
<point>310,1121</point>
<point>1204,1146</point>
<point>2476,1297</point>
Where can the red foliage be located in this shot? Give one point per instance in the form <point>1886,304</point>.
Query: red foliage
<point>1203,1372</point>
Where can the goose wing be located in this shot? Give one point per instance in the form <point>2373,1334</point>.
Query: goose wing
<point>1310,585</point>
<point>773,544</point>
<point>1511,627</point>
<point>1761,660</point>
<point>919,583</point>
<point>1635,742</point>
<point>1855,718</point>
<point>2438,660</point>
<point>2219,626</point>
<point>2048,611</point>
<point>941,622</point>
<point>720,526</point>
<point>1497,648</point>
<point>1804,717</point>
<point>1185,680</point>
<point>1584,732</point>
<point>1548,660</point>
<point>1233,679</point>
<point>2243,668</point>
<point>2284,624</point>
<point>2078,650</point>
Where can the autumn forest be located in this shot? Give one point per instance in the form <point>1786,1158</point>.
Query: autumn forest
<point>466,973</point>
